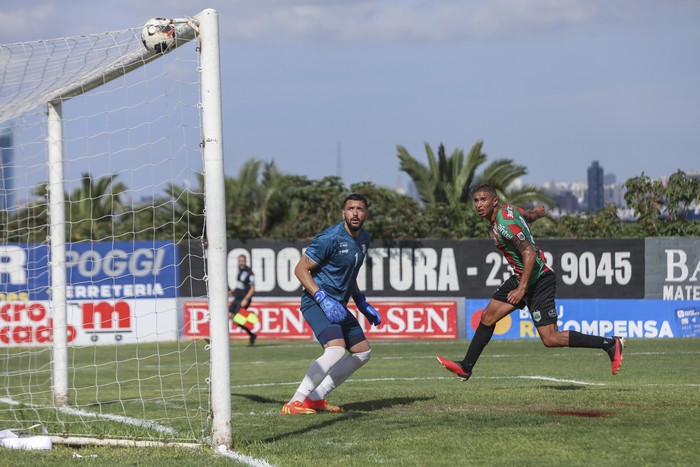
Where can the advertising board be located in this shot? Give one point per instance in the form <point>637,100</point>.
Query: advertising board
<point>624,318</point>
<point>283,320</point>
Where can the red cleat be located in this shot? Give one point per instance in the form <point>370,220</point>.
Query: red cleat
<point>455,367</point>
<point>615,354</point>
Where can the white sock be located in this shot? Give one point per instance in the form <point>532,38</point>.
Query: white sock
<point>339,373</point>
<point>318,371</point>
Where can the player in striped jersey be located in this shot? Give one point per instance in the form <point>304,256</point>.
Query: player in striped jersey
<point>533,285</point>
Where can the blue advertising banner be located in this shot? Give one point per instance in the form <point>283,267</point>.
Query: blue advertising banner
<point>624,318</point>
<point>94,270</point>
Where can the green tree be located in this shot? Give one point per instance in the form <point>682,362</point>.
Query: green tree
<point>178,215</point>
<point>679,194</point>
<point>274,195</point>
<point>446,179</point>
<point>243,201</point>
<point>451,179</point>
<point>645,197</point>
<point>91,207</point>
<point>391,215</point>
<point>312,205</point>
<point>29,224</point>
<point>605,223</point>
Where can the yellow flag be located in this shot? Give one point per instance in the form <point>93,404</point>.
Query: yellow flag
<point>244,317</point>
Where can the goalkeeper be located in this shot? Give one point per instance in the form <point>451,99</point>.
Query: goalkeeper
<point>327,271</point>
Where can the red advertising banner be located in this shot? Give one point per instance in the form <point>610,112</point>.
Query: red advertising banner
<point>283,320</point>
<point>90,322</point>
<point>27,323</point>
<point>276,320</point>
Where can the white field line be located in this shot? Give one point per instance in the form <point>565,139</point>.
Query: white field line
<point>151,425</point>
<point>247,460</point>
<point>116,418</point>
<point>436,378</point>
<point>516,355</point>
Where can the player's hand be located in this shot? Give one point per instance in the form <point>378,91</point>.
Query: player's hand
<point>366,309</point>
<point>515,296</point>
<point>332,308</point>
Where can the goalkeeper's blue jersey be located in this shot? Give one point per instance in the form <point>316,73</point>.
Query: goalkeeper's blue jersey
<point>339,256</point>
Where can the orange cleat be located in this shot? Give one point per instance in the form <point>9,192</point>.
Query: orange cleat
<point>321,406</point>
<point>296,408</point>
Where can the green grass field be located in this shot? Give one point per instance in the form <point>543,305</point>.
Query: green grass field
<point>525,405</point>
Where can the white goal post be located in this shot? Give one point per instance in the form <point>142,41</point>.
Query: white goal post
<point>111,174</point>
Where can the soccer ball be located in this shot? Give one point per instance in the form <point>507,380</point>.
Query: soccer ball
<point>158,35</point>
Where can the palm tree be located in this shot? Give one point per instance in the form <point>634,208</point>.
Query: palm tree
<point>451,179</point>
<point>92,206</point>
<point>183,210</point>
<point>242,201</point>
<point>274,197</point>
<point>445,179</point>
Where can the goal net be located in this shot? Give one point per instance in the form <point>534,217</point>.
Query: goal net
<point>111,172</point>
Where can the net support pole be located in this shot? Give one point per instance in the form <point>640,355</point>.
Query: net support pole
<point>57,235</point>
<point>215,218</point>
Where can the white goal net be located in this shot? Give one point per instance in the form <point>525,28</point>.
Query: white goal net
<point>111,172</point>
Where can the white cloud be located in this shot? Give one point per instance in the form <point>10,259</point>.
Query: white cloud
<point>397,21</point>
<point>26,24</point>
<point>368,21</point>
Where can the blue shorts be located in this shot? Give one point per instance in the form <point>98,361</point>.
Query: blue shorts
<point>349,329</point>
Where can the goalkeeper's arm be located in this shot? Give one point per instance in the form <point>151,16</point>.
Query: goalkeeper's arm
<point>365,308</point>
<point>335,311</point>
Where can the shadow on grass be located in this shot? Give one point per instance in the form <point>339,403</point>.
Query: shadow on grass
<point>568,387</point>
<point>379,404</point>
<point>325,423</point>
<point>257,398</point>
<point>365,406</point>
<point>351,411</point>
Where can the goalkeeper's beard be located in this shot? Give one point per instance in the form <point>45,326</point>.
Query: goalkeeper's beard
<point>354,228</point>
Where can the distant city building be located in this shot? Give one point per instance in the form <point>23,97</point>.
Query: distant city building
<point>568,197</point>
<point>614,194</point>
<point>609,179</point>
<point>596,197</point>
<point>567,202</point>
<point>7,200</point>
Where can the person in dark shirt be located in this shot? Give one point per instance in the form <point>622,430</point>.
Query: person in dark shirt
<point>242,295</point>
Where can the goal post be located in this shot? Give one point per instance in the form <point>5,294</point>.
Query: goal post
<point>107,149</point>
<point>215,208</point>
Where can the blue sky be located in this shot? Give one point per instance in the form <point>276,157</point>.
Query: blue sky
<point>551,84</point>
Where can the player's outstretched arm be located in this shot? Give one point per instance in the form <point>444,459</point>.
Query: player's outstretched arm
<point>531,215</point>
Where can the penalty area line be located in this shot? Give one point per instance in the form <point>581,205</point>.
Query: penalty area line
<point>555,380</point>
<point>435,378</point>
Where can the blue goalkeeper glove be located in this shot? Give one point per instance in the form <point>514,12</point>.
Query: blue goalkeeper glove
<point>366,309</point>
<point>332,308</point>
